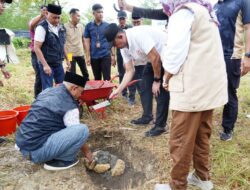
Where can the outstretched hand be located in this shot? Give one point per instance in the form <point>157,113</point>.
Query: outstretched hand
<point>6,74</point>
<point>114,94</point>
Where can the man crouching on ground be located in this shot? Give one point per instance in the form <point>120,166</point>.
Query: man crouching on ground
<point>52,133</point>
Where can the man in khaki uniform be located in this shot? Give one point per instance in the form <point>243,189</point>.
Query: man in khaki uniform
<point>74,42</point>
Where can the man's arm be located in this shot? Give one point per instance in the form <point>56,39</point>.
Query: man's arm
<point>246,60</point>
<point>87,48</point>
<point>40,57</point>
<point>113,61</point>
<point>155,60</point>
<point>35,21</point>
<point>156,14</point>
<point>66,58</point>
<point>129,73</point>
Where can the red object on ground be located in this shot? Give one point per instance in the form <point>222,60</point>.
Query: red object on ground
<point>8,121</point>
<point>96,90</point>
<point>22,112</point>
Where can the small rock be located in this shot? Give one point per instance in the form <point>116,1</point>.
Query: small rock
<point>119,168</point>
<point>101,168</point>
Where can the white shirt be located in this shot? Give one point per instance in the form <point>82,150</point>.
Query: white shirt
<point>71,118</point>
<point>10,49</point>
<point>141,40</point>
<point>179,36</point>
<point>40,32</point>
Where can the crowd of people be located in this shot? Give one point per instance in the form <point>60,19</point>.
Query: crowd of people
<point>192,67</point>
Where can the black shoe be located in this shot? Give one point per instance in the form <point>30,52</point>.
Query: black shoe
<point>131,102</point>
<point>141,121</point>
<point>2,140</point>
<point>155,131</point>
<point>55,165</point>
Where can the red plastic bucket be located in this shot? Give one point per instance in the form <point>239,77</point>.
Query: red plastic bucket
<point>8,121</point>
<point>22,112</point>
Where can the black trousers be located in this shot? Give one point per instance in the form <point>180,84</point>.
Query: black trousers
<point>147,98</point>
<point>101,67</point>
<point>82,65</point>
<point>38,82</point>
<point>230,111</point>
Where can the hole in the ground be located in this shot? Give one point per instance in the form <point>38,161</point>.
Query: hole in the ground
<point>140,164</point>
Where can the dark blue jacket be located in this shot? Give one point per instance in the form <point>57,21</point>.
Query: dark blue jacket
<point>44,118</point>
<point>53,46</point>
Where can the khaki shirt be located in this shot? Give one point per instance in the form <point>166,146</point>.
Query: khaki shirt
<point>74,37</point>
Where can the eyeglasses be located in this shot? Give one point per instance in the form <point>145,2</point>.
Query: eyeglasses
<point>122,18</point>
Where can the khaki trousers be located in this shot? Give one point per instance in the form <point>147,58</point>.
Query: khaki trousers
<point>189,139</point>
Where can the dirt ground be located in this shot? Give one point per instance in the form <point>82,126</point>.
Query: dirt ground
<point>125,141</point>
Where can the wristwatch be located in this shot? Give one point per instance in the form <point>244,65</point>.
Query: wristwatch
<point>157,79</point>
<point>247,54</point>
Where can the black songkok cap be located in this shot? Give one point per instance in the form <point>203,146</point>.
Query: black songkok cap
<point>56,9</point>
<point>111,31</point>
<point>8,1</point>
<point>75,79</point>
<point>135,16</point>
<point>96,7</point>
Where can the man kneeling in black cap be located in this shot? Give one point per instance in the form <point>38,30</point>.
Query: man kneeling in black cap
<point>52,133</point>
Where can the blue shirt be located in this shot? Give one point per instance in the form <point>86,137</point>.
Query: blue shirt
<point>96,34</point>
<point>227,12</point>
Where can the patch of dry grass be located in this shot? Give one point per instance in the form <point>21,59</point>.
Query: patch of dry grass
<point>230,160</point>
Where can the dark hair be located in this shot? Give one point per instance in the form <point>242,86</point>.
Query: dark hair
<point>73,11</point>
<point>43,6</point>
<point>96,7</point>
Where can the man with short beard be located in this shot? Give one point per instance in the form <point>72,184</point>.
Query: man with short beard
<point>50,38</point>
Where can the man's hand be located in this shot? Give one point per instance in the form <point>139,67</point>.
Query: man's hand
<point>122,4</point>
<point>47,70</point>
<point>6,74</point>
<point>156,88</point>
<point>114,94</point>
<point>113,61</point>
<point>87,152</point>
<point>89,156</point>
<point>68,65</point>
<point>245,66</point>
<point>167,76</point>
<point>88,61</point>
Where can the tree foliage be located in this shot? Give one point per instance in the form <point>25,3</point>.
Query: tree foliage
<point>19,13</point>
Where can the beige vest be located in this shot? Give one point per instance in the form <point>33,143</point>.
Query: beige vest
<point>201,83</point>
